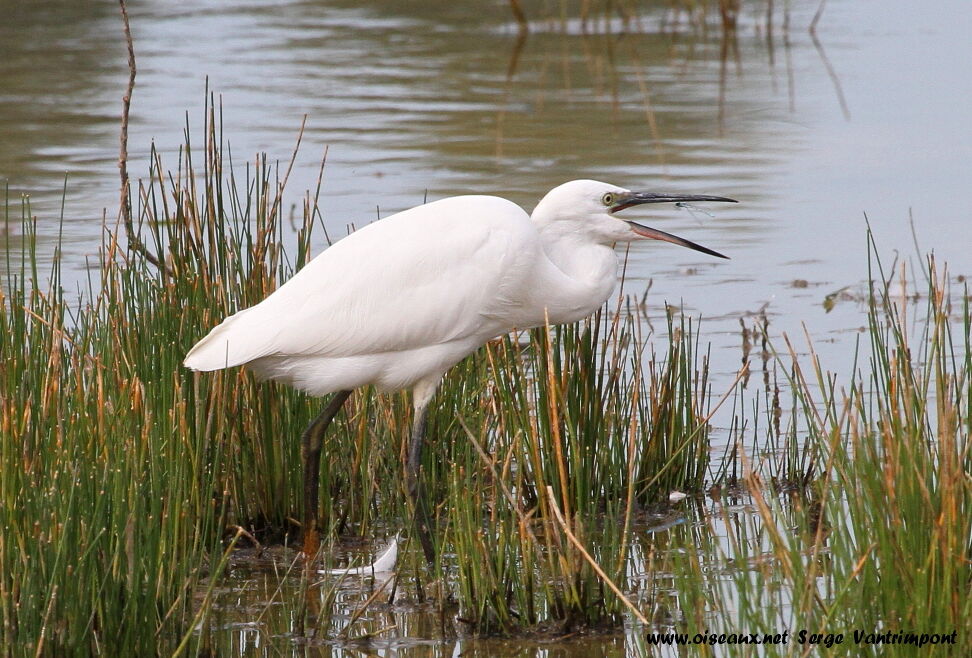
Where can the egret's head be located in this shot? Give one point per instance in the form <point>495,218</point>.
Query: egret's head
<point>589,207</point>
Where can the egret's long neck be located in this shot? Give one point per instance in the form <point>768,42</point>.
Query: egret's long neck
<point>579,274</point>
<point>575,255</point>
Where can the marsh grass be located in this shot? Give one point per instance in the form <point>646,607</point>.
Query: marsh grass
<point>110,510</point>
<point>880,539</point>
<point>128,482</point>
<point>564,424</point>
<point>125,475</point>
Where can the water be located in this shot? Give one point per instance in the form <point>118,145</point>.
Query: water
<point>415,103</point>
<point>444,98</point>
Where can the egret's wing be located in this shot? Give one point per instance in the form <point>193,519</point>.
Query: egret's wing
<point>429,275</point>
<point>422,282</point>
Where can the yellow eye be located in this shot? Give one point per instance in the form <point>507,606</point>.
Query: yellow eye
<point>607,199</point>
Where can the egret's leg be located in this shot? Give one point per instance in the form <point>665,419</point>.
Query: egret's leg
<point>310,452</point>
<point>420,399</point>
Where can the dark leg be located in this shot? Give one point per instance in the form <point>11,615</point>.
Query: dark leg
<point>413,469</point>
<point>310,452</point>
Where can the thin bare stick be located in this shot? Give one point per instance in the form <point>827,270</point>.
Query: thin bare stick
<point>242,531</point>
<point>363,607</point>
<point>125,204</point>
<point>278,200</point>
<point>832,74</point>
<point>521,20</point>
<point>587,556</point>
<point>816,17</point>
<point>524,518</point>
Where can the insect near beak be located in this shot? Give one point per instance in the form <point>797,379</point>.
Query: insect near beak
<point>630,199</point>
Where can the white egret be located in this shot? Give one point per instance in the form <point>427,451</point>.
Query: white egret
<point>400,301</point>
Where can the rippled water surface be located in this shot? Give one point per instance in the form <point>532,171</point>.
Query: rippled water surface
<point>414,100</point>
<point>444,98</point>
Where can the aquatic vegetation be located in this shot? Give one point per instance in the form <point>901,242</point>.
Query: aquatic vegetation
<point>128,484</point>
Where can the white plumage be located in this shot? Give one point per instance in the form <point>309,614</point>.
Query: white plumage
<point>405,297</point>
<point>398,302</point>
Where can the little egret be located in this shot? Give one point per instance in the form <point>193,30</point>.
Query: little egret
<point>400,301</point>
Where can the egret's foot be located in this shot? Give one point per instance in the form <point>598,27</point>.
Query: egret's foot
<point>312,543</point>
<point>310,452</point>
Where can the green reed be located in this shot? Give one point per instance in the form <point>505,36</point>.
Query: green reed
<point>880,539</point>
<point>109,507</point>
<point>565,426</point>
<point>124,474</point>
<point>127,482</point>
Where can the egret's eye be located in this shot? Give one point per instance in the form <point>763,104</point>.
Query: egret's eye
<point>608,199</point>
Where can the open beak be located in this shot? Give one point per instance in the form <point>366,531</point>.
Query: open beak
<point>637,198</point>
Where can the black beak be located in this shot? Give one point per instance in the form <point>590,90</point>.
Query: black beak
<point>630,199</point>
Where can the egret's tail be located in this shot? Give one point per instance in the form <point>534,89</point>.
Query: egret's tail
<point>228,344</point>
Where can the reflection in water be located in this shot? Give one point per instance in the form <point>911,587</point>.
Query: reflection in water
<point>434,99</point>
<point>441,98</point>
<point>404,95</point>
<point>831,73</point>
<point>259,603</point>
<point>59,94</point>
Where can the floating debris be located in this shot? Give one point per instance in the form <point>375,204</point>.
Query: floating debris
<point>385,562</point>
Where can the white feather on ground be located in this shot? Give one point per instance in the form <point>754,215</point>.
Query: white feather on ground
<point>384,562</point>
